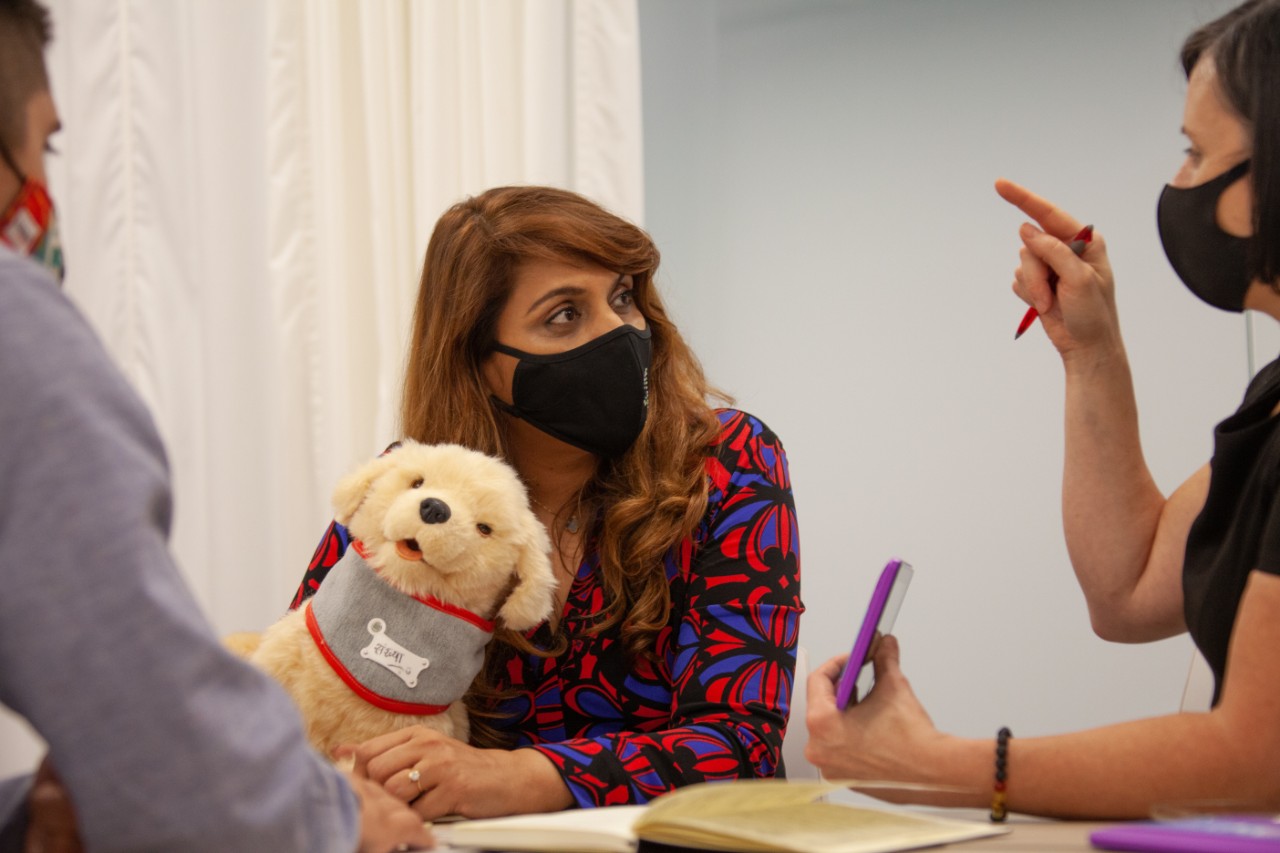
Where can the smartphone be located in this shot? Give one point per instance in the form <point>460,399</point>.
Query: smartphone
<point>886,600</point>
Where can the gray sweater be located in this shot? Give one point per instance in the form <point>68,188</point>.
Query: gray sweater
<point>164,740</point>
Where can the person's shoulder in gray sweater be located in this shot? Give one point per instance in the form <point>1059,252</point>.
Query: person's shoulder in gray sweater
<point>163,739</point>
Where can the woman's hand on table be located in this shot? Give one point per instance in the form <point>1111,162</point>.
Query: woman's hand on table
<point>439,775</point>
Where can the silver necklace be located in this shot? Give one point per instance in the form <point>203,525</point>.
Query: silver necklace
<point>571,525</point>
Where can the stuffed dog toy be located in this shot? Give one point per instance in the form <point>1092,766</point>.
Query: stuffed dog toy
<point>443,545</point>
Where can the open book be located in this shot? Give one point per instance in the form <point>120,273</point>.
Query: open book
<point>766,815</point>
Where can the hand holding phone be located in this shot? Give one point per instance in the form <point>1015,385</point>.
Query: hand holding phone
<point>886,600</point>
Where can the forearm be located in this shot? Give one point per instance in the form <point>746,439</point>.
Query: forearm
<point>1111,506</point>
<point>1120,771</point>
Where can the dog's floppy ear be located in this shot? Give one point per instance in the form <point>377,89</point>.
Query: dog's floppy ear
<point>352,488</point>
<point>530,602</point>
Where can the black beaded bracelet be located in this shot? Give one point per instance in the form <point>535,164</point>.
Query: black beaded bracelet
<point>998,810</point>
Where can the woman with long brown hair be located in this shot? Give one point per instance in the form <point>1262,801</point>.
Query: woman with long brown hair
<point>539,337</point>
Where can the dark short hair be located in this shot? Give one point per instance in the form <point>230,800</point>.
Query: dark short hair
<point>25,31</point>
<point>1244,45</point>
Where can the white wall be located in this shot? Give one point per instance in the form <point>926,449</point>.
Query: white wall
<point>819,178</point>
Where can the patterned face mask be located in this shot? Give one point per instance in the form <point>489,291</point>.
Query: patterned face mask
<point>29,226</point>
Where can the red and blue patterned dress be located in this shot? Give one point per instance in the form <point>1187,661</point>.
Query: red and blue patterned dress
<point>714,702</point>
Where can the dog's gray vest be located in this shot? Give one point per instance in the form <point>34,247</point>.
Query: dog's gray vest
<point>404,654</point>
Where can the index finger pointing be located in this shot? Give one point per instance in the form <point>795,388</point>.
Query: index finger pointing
<point>1053,219</point>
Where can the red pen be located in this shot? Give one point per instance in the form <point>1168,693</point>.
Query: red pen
<point>1078,246</point>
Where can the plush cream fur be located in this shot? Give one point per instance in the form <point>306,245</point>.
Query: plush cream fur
<point>503,575</point>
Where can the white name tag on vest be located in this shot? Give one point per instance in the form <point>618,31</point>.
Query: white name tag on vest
<point>388,653</point>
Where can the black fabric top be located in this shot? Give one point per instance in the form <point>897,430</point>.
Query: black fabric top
<point>1239,528</point>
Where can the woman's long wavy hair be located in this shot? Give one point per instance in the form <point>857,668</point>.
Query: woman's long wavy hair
<point>653,496</point>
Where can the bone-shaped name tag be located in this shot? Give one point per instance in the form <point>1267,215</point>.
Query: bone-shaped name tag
<point>387,652</point>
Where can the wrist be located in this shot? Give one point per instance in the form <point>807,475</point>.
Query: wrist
<point>946,771</point>
<point>541,786</point>
<point>1103,357</point>
<point>965,767</point>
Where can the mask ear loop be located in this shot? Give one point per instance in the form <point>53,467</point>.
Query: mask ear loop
<point>504,406</point>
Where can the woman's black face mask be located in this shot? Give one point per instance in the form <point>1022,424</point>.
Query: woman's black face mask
<point>595,396</point>
<point>1211,263</point>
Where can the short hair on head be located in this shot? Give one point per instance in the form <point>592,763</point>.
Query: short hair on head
<point>1244,46</point>
<point>25,32</point>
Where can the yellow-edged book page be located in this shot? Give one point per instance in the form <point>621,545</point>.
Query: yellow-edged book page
<point>599,830</point>
<point>775,815</point>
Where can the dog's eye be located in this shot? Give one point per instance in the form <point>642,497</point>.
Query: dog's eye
<point>417,484</point>
<point>484,529</point>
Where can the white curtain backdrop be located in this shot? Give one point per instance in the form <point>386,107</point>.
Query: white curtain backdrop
<point>247,189</point>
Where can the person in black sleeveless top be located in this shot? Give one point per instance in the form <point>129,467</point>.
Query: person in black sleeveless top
<point>1206,559</point>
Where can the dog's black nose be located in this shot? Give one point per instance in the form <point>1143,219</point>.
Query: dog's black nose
<point>434,511</point>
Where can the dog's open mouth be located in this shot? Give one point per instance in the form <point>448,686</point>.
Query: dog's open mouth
<point>408,550</point>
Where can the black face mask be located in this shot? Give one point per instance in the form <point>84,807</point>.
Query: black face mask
<point>595,397</point>
<point>1211,263</point>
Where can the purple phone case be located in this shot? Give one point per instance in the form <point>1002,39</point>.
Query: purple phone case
<point>1208,834</point>
<point>889,576</point>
